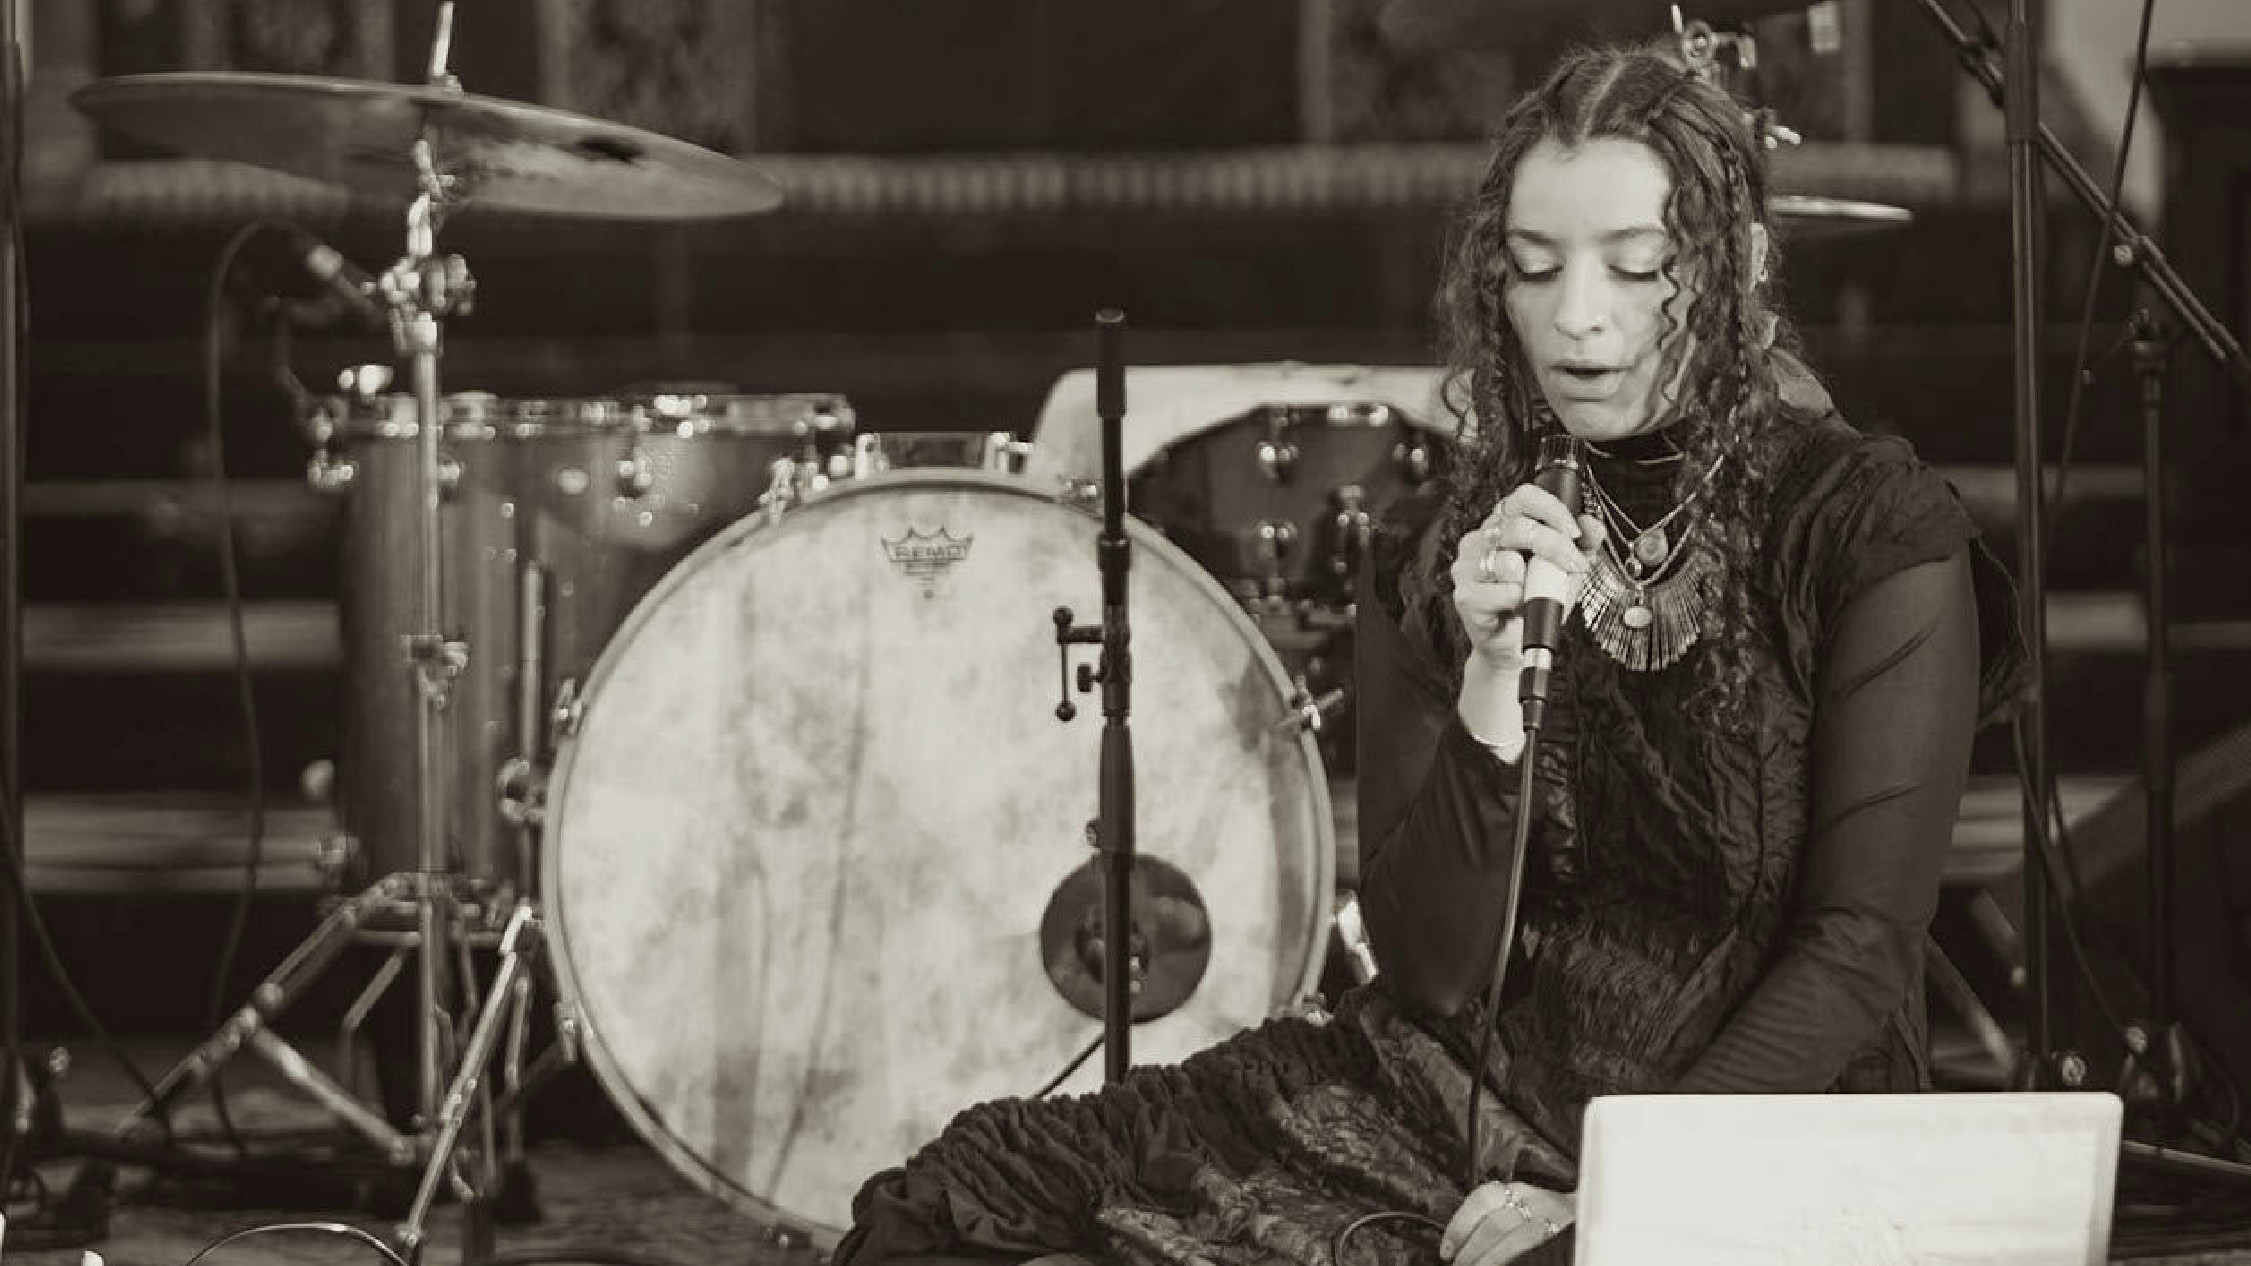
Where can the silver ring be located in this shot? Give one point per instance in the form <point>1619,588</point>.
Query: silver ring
<point>1485,570</point>
<point>1515,1201</point>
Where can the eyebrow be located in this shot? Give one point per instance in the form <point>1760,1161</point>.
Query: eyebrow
<point>1632,232</point>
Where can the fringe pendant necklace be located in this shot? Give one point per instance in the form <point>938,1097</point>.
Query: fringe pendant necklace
<point>1648,590</point>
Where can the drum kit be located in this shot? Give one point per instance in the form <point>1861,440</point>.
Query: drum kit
<point>737,728</point>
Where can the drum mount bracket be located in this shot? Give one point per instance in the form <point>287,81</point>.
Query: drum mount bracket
<point>1069,633</point>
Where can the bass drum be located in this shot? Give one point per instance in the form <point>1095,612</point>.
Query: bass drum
<point>816,868</point>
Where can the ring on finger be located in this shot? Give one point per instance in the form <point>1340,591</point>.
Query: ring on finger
<point>1487,570</point>
<point>1514,1199</point>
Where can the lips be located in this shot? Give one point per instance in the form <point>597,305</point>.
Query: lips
<point>1593,381</point>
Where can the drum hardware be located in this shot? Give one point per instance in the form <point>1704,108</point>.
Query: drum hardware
<point>635,476</point>
<point>338,930</point>
<point>1311,711</point>
<point>1413,458</point>
<point>1702,48</point>
<point>998,451</point>
<point>1276,455</point>
<point>1716,56</point>
<point>1113,556</point>
<point>432,150</point>
<point>569,710</point>
<point>1276,543</point>
<point>1352,533</point>
<point>518,943</point>
<point>1352,935</point>
<point>1069,633</point>
<point>1168,947</point>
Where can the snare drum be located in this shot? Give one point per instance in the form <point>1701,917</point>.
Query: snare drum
<point>598,497</point>
<point>816,869</point>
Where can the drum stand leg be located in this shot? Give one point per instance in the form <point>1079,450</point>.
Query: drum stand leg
<point>274,995</point>
<point>518,944</point>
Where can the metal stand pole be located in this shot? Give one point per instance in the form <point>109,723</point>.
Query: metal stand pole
<point>11,580</point>
<point>2164,1048</point>
<point>517,944</point>
<point>2026,208</point>
<point>1115,553</point>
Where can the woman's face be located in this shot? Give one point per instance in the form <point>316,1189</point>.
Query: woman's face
<point>1586,243</point>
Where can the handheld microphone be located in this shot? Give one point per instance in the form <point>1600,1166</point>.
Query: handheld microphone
<point>1548,589</point>
<point>349,285</point>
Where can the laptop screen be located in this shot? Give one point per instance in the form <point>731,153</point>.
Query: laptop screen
<point>1846,1179</point>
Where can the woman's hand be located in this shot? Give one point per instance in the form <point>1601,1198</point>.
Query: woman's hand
<point>1501,1221</point>
<point>1489,567</point>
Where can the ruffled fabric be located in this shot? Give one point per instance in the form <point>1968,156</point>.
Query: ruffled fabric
<point>1261,1149</point>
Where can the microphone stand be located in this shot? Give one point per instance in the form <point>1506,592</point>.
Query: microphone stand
<point>1114,553</point>
<point>11,589</point>
<point>2027,211</point>
<point>1112,832</point>
<point>2162,1041</point>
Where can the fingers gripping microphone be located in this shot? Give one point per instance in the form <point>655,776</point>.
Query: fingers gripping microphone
<point>1548,589</point>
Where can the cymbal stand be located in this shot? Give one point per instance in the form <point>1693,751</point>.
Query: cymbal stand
<point>422,289</point>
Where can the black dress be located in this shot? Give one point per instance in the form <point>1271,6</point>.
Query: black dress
<point>1704,910</point>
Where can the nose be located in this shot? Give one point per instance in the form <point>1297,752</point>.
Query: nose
<point>1583,306</point>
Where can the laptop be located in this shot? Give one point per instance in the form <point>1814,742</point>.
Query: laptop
<point>1847,1180</point>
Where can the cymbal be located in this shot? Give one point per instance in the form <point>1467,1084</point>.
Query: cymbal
<point>361,134</point>
<point>1809,218</point>
<point>1485,25</point>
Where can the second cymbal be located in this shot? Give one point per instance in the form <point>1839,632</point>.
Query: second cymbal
<point>361,134</point>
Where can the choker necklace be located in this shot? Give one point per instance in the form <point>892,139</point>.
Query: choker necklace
<point>1651,449</point>
<point>1647,592</point>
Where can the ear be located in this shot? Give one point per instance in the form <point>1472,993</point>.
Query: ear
<point>1758,254</point>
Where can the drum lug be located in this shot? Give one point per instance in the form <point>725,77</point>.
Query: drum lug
<point>1277,540</point>
<point>635,476</point>
<point>567,1027</point>
<point>522,789</point>
<point>569,710</point>
<point>1354,533</point>
<point>1310,711</point>
<point>1277,459</point>
<point>1277,453</point>
<point>1005,454</point>
<point>328,473</point>
<point>786,482</point>
<point>449,473</point>
<point>1412,457</point>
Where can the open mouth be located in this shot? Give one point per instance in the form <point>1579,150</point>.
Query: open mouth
<point>1588,381</point>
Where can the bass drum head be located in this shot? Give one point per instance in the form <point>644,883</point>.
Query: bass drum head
<point>817,808</point>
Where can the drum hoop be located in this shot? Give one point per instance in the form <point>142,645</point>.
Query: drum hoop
<point>595,1046</point>
<point>788,413</point>
<point>479,416</point>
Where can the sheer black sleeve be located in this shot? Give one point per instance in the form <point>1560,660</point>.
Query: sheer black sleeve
<point>1895,711</point>
<point>1437,809</point>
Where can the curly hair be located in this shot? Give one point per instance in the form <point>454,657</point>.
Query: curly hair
<point>1717,193</point>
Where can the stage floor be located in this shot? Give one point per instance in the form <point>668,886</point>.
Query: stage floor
<point>597,1198</point>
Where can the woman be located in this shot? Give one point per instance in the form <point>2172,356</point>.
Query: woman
<point>1751,763</point>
